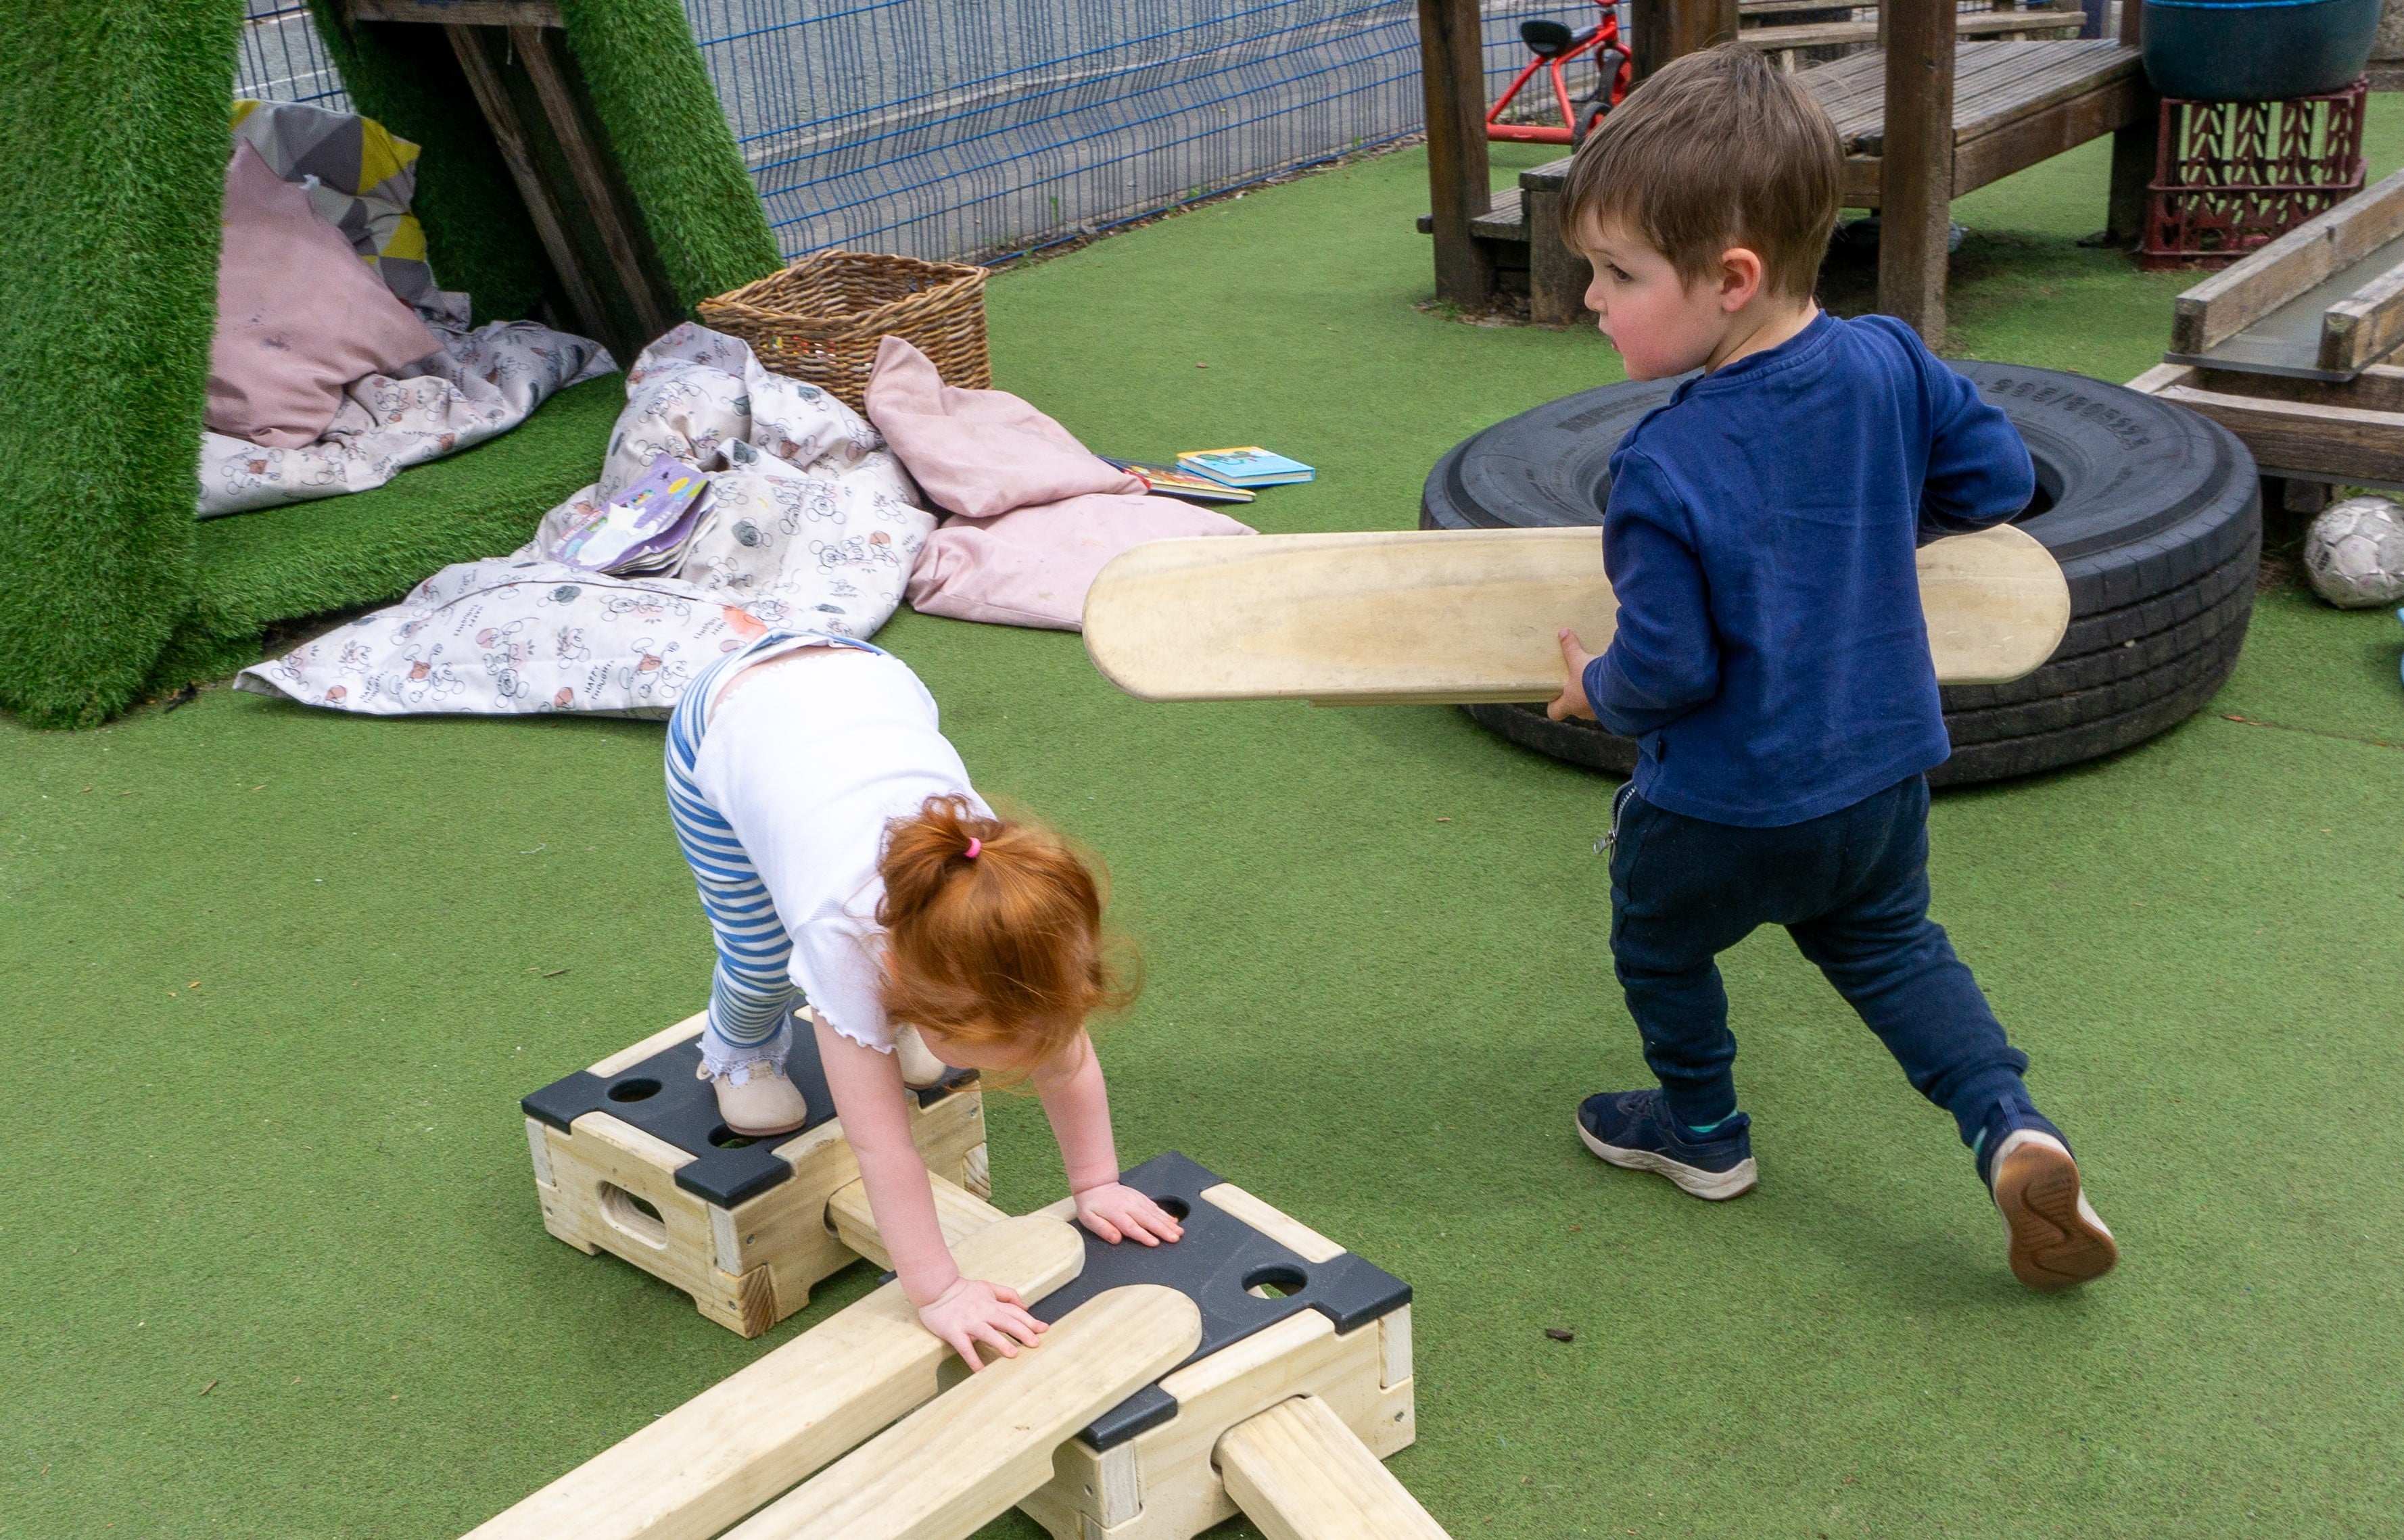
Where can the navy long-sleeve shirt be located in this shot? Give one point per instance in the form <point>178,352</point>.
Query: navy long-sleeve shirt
<point>1772,660</point>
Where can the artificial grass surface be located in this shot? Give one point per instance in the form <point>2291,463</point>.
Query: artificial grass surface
<point>113,134</point>
<point>304,1179</point>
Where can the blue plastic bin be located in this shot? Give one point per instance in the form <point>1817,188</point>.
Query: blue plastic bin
<point>2256,51</point>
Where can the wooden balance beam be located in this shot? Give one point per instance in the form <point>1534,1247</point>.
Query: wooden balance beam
<point>1460,617</point>
<point>960,1455</point>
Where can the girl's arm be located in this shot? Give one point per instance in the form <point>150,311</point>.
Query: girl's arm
<point>869,1098</point>
<point>1079,1106</point>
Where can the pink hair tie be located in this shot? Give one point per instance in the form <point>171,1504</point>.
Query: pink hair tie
<point>975,846</point>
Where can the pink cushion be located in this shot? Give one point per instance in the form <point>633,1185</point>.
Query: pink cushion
<point>1031,566</point>
<point>298,315</point>
<point>978,452</point>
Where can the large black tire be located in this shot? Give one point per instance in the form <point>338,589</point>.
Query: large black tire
<point>2154,512</point>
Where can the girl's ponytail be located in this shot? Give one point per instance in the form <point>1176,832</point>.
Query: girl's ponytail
<point>994,929</point>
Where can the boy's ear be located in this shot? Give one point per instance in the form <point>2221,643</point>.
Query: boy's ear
<point>1740,275</point>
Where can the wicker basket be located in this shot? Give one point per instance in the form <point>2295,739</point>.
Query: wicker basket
<point>820,320</point>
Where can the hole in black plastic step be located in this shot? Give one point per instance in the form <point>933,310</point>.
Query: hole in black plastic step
<point>1273,1281</point>
<point>727,1139</point>
<point>633,1091</point>
<point>1174,1207</point>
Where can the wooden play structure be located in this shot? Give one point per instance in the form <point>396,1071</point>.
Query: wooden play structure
<point>1924,117</point>
<point>1469,616</point>
<point>1256,1365</point>
<point>629,1159</point>
<point>2288,350</point>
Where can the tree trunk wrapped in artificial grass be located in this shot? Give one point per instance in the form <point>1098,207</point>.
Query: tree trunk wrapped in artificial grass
<point>113,136</point>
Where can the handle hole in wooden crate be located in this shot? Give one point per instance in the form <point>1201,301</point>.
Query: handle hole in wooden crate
<point>633,1217</point>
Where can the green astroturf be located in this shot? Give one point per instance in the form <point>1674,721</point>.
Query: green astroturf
<point>276,977</point>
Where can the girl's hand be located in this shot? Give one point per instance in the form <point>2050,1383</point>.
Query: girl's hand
<point>972,1310</point>
<point>1116,1212</point>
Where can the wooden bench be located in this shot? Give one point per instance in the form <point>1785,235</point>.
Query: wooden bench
<point>1784,39</point>
<point>2008,106</point>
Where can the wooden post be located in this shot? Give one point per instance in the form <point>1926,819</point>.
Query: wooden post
<point>1916,164</point>
<point>2133,150</point>
<point>1452,72</point>
<point>1669,29</point>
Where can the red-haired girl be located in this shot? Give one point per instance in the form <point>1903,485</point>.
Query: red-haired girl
<point>841,851</point>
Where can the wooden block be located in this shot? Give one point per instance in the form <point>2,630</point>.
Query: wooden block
<point>607,1186</point>
<point>689,1474</point>
<point>1299,1474</point>
<point>2238,296</point>
<point>967,1455</point>
<point>1161,1484</point>
<point>1463,616</point>
<point>957,1210</point>
<point>2364,326</point>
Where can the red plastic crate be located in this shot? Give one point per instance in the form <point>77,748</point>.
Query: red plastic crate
<point>2230,177</point>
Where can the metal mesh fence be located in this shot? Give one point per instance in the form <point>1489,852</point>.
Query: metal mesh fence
<point>282,60</point>
<point>980,130</point>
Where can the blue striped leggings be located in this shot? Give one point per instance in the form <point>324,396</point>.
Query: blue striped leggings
<point>751,989</point>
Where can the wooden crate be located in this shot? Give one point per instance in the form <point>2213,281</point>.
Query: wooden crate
<point>609,1185</point>
<point>1164,1483</point>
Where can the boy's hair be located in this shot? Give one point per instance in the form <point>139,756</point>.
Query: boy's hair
<point>1004,946</point>
<point>1716,149</point>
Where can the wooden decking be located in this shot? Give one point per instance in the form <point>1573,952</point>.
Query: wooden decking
<point>2015,104</point>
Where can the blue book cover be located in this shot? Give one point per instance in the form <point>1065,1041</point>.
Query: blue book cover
<point>1249,465</point>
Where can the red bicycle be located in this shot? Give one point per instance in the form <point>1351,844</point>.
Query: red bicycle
<point>1553,46</point>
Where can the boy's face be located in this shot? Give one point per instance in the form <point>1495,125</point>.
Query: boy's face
<point>1660,323</point>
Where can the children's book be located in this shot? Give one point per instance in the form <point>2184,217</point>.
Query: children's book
<point>645,528</point>
<point>1169,481</point>
<point>1247,466</point>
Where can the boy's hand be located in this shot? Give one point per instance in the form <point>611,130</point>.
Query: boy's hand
<point>1571,702</point>
<point>1116,1212</point>
<point>972,1310</point>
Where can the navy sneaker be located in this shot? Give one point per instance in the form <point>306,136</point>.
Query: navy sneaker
<point>1635,1129</point>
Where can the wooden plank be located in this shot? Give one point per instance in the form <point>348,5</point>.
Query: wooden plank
<point>1558,275</point>
<point>970,1454</point>
<point>657,1043</point>
<point>959,1213</point>
<point>2236,297</point>
<point>614,217</point>
<point>1299,1474</point>
<point>2294,336</point>
<point>688,1475</point>
<point>1470,614</point>
<point>459,13</point>
<point>2336,443</point>
<point>508,136</point>
<point>1161,1484</point>
<point>2077,73</point>
<point>1820,35</point>
<point>1504,219</point>
<point>1660,31</point>
<point>1916,167</point>
<point>2041,135</point>
<point>2364,326</point>
<point>2378,388</point>
<point>1459,181</point>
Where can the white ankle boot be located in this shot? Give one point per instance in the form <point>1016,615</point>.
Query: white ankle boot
<point>756,1098</point>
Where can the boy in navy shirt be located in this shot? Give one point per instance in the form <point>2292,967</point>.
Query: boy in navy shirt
<point>1770,660</point>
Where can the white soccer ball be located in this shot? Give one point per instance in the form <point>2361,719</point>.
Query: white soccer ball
<point>2353,553</point>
